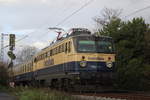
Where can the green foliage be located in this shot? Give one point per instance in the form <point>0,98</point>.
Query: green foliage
<point>3,88</point>
<point>112,28</point>
<point>147,46</point>
<point>132,48</point>
<point>40,94</point>
<point>3,74</point>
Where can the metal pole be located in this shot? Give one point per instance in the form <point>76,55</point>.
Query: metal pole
<point>2,48</point>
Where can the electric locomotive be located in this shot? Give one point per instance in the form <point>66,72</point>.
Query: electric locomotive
<point>79,60</point>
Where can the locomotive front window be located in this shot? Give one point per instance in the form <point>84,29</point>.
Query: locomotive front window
<point>86,46</point>
<point>95,45</point>
<point>105,46</point>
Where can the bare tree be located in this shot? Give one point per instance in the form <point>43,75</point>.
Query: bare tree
<point>26,53</point>
<point>106,16</point>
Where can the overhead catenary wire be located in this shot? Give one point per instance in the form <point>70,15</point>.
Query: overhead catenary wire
<point>82,7</point>
<point>22,38</point>
<point>137,11</point>
<point>17,41</point>
<point>89,2</point>
<point>73,13</point>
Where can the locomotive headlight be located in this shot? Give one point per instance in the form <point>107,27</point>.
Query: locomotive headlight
<point>109,64</point>
<point>83,63</point>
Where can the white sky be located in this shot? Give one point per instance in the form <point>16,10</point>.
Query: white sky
<point>22,17</point>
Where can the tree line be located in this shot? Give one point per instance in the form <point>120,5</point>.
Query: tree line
<point>132,43</point>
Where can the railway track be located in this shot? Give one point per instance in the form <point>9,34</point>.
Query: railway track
<point>114,96</point>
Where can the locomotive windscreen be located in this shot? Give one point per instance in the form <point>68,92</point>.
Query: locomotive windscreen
<point>95,45</point>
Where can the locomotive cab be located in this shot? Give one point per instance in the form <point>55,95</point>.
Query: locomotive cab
<point>95,58</point>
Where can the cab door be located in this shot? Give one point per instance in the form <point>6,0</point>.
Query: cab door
<point>67,57</point>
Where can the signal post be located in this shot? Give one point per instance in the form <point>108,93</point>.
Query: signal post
<point>10,52</point>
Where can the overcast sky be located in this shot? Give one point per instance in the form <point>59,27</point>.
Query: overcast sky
<point>33,17</point>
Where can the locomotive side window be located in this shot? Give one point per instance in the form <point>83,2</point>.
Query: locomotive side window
<point>51,52</point>
<point>21,69</point>
<point>40,57</point>
<point>27,67</point>
<point>24,68</point>
<point>56,50</point>
<point>69,46</point>
<point>59,50</point>
<point>43,56</point>
<point>66,47</point>
<point>48,53</point>
<point>31,65</point>
<point>35,59</point>
<point>63,48</point>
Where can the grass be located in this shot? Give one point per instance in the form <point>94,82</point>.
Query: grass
<point>3,88</point>
<point>40,94</point>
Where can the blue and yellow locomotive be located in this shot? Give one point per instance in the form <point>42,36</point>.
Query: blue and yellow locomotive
<point>80,59</point>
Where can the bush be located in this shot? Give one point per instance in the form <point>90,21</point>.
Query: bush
<point>3,74</point>
<point>40,94</point>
